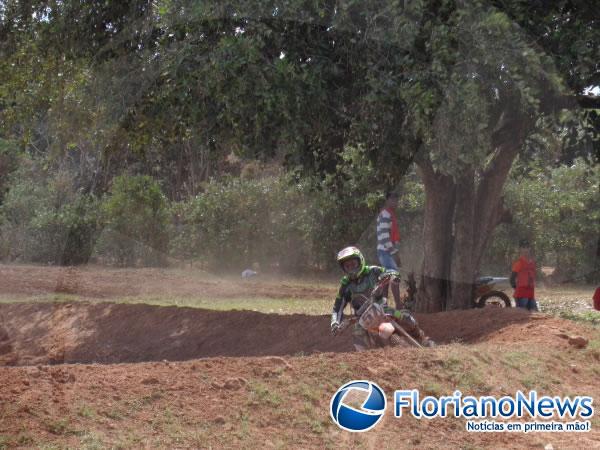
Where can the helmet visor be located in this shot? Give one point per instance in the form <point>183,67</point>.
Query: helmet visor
<point>351,265</point>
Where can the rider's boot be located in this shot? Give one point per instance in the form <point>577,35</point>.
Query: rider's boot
<point>408,322</point>
<point>424,340</point>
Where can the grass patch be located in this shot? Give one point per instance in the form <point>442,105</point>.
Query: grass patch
<point>86,412</point>
<point>263,305</point>
<point>433,388</point>
<point>59,426</point>
<point>593,351</point>
<point>474,381</point>
<point>92,441</point>
<point>308,393</point>
<point>309,419</point>
<point>113,414</point>
<point>452,364</point>
<point>149,399</point>
<point>517,360</point>
<point>243,426</point>
<point>562,298</point>
<point>594,344</point>
<point>260,392</point>
<point>139,404</point>
<point>461,369</point>
<point>588,317</point>
<point>535,381</point>
<point>47,298</point>
<point>317,426</point>
<point>535,371</point>
<point>25,439</point>
<point>343,373</point>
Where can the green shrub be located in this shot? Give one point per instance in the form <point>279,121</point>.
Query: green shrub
<point>236,222</point>
<point>135,218</point>
<point>45,221</point>
<point>558,210</point>
<point>9,163</point>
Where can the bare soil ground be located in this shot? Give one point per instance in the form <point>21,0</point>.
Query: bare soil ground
<point>108,333</point>
<point>92,374</point>
<point>103,283</point>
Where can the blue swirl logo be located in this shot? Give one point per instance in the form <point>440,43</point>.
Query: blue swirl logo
<point>358,419</point>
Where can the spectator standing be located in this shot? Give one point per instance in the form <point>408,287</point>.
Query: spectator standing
<point>388,235</point>
<point>522,278</point>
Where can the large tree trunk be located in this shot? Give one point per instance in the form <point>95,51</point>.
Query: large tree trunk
<point>462,268</point>
<point>437,229</point>
<point>460,216</point>
<point>489,208</point>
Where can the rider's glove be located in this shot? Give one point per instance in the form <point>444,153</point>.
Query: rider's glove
<point>335,327</point>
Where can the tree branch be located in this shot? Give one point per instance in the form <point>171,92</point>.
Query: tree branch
<point>489,192</point>
<point>552,103</point>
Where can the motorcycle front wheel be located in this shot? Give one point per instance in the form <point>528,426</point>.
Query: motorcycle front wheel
<point>496,299</point>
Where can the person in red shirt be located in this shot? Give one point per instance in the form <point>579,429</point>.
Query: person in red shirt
<point>596,299</point>
<point>522,278</point>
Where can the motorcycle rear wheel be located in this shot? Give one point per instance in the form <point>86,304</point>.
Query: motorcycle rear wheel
<point>495,299</point>
<point>396,341</point>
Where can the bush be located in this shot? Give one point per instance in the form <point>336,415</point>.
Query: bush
<point>237,222</point>
<point>9,163</point>
<point>45,221</point>
<point>558,210</point>
<point>135,218</point>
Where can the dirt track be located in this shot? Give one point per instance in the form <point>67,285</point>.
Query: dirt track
<point>115,333</point>
<point>276,401</point>
<point>168,377</point>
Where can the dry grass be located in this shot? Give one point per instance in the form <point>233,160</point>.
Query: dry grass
<point>574,298</point>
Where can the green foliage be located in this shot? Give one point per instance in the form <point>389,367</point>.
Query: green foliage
<point>135,214</point>
<point>559,211</point>
<point>295,225</point>
<point>237,222</point>
<point>44,220</point>
<point>9,162</point>
<point>589,317</point>
<point>345,92</point>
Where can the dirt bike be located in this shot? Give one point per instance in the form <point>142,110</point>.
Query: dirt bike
<point>382,329</point>
<point>487,294</point>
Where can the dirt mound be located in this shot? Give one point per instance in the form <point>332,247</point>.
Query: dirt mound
<point>269,401</point>
<point>112,333</point>
<point>281,402</point>
<point>58,333</point>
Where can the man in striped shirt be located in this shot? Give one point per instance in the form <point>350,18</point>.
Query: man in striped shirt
<point>388,236</point>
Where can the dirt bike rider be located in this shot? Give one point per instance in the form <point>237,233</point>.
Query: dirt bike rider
<point>362,279</point>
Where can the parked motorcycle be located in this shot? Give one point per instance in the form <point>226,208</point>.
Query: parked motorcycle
<point>488,293</point>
